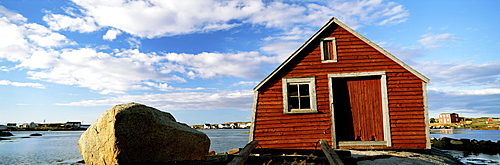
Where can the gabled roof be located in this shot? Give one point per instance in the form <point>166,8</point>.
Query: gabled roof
<point>334,21</point>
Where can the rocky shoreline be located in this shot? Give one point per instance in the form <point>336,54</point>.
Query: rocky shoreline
<point>480,146</point>
<point>431,156</point>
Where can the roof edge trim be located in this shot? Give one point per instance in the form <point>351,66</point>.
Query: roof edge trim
<point>382,50</point>
<point>364,39</point>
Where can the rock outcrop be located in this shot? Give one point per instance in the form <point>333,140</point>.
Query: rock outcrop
<point>467,145</point>
<point>135,133</point>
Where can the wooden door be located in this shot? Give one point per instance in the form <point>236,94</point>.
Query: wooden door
<point>357,103</point>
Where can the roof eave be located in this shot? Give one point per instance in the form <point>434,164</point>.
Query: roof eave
<point>294,54</point>
<point>313,37</point>
<point>382,50</point>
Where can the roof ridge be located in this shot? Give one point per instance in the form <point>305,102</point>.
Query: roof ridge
<point>364,39</point>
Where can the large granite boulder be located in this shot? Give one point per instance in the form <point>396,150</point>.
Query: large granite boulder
<point>135,133</point>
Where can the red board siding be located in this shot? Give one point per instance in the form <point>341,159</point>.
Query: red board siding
<point>274,129</point>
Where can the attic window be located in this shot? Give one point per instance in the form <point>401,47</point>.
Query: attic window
<point>299,95</point>
<point>328,50</point>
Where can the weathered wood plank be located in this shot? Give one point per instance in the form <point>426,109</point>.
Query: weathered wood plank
<point>407,117</point>
<point>244,153</point>
<point>406,137</point>
<point>418,124</point>
<point>293,125</point>
<point>400,129</point>
<point>330,154</point>
<point>293,129</point>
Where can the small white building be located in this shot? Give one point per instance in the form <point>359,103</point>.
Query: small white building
<point>73,124</point>
<point>234,125</point>
<point>29,125</point>
<point>224,126</point>
<point>245,125</point>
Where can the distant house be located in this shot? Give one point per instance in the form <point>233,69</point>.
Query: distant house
<point>73,124</point>
<point>55,124</point>
<point>224,126</point>
<point>450,118</point>
<point>494,119</point>
<point>11,125</point>
<point>2,127</point>
<point>234,125</point>
<point>341,87</point>
<point>248,125</point>
<point>207,126</point>
<point>29,125</point>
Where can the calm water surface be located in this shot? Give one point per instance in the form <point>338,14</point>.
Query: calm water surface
<point>60,147</point>
<point>223,140</point>
<point>52,147</point>
<point>470,157</point>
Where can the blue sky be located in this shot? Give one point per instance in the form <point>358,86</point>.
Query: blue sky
<point>199,60</point>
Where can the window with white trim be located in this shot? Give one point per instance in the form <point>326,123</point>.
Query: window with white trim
<point>328,50</point>
<point>299,95</point>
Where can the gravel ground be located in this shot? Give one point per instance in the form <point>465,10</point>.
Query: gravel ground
<point>434,156</point>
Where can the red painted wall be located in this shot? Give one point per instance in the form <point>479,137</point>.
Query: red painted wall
<point>274,129</point>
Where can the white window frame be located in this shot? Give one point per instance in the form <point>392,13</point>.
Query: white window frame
<point>323,49</point>
<point>311,81</point>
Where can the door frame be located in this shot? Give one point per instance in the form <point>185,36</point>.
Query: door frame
<point>385,110</point>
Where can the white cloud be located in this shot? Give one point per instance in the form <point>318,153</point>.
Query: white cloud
<point>43,37</point>
<point>438,40</point>
<point>21,39</point>
<point>129,69</point>
<point>40,59</point>
<point>34,46</point>
<point>119,71</point>
<point>472,103</point>
<point>111,34</point>
<point>469,113</point>
<point>102,72</point>
<point>240,99</point>
<point>12,16</point>
<point>209,65</point>
<point>406,54</point>
<point>19,84</point>
<point>4,68</point>
<point>281,15</point>
<point>63,22</point>
<point>465,74</point>
<point>245,83</point>
<point>167,87</point>
<point>295,33</point>
<point>154,18</point>
<point>357,13</point>
<point>13,45</point>
<point>134,43</point>
<point>281,49</point>
<point>488,91</point>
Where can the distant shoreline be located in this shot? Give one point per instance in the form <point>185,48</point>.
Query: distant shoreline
<point>45,129</point>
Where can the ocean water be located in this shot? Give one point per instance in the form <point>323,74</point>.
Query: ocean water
<point>60,147</point>
<point>467,156</point>
<point>53,147</point>
<point>223,140</point>
<point>493,135</point>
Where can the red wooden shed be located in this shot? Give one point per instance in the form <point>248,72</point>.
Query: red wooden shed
<point>341,87</point>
